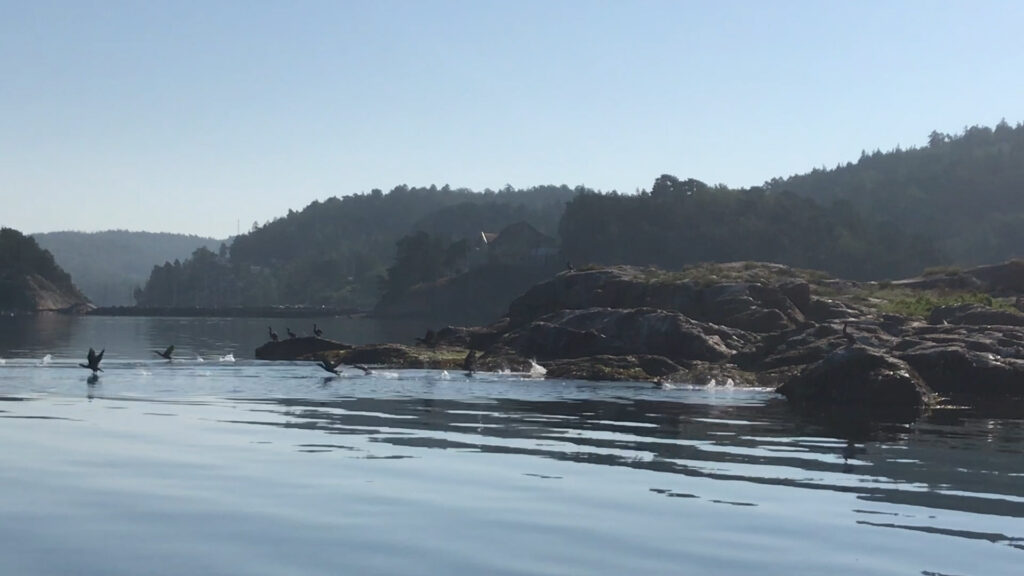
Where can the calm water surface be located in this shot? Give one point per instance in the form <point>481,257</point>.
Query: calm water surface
<point>218,464</point>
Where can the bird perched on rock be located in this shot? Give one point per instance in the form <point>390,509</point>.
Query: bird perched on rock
<point>850,340</point>
<point>166,353</point>
<point>273,335</point>
<point>93,360</point>
<point>428,339</point>
<point>289,332</point>
<point>317,331</point>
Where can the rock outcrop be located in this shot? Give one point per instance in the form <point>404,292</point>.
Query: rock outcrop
<point>823,342</point>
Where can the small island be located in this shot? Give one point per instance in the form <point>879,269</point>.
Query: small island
<point>890,347</point>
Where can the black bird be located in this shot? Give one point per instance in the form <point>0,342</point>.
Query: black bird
<point>93,360</point>
<point>849,337</point>
<point>273,335</point>
<point>166,353</point>
<point>328,365</point>
<point>428,339</point>
<point>289,332</point>
<point>317,331</point>
<point>469,364</point>
<point>570,267</point>
<point>363,368</point>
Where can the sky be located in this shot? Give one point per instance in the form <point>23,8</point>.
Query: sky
<point>203,117</point>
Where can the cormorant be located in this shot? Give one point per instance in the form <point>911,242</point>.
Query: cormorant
<point>327,365</point>
<point>849,337</point>
<point>273,335</point>
<point>317,331</point>
<point>570,267</point>
<point>289,332</point>
<point>93,360</point>
<point>166,353</point>
<point>428,339</point>
<point>469,364</point>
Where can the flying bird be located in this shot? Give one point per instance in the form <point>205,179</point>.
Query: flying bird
<point>166,353</point>
<point>328,365</point>
<point>93,360</point>
<point>273,335</point>
<point>317,331</point>
<point>469,364</point>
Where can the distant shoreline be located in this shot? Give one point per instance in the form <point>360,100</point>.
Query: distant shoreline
<point>229,312</point>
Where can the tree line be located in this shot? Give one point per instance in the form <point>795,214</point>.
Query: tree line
<point>957,200</point>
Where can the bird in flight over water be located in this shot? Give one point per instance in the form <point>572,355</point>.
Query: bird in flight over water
<point>166,353</point>
<point>93,360</point>
<point>328,365</point>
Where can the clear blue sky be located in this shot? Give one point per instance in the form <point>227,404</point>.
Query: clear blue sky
<point>192,116</point>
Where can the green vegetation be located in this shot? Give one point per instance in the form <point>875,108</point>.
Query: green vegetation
<point>20,258</point>
<point>955,202</point>
<point>962,192</point>
<point>342,252</point>
<point>108,266</point>
<point>917,303</point>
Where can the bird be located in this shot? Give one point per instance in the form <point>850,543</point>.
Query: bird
<point>328,365</point>
<point>273,335</point>
<point>317,331</point>
<point>428,339</point>
<point>365,369</point>
<point>289,332</point>
<point>166,353</point>
<point>469,364</point>
<point>849,337</point>
<point>93,360</point>
<point>569,267</point>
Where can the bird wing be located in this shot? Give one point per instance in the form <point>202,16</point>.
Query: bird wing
<point>169,350</point>
<point>91,356</point>
<point>99,356</point>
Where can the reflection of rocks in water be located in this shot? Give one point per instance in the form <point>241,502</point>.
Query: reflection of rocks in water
<point>759,443</point>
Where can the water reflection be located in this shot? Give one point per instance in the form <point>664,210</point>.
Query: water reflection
<point>973,468</point>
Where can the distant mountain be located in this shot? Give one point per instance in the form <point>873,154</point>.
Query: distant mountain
<point>108,266</point>
<point>337,252</point>
<point>30,280</point>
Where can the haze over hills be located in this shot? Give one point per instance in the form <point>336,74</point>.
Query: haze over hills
<point>108,266</point>
<point>957,201</point>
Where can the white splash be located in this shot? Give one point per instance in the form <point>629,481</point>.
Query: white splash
<point>227,358</point>
<point>445,375</point>
<point>199,358</point>
<point>46,360</point>
<point>536,370</point>
<point>2,361</point>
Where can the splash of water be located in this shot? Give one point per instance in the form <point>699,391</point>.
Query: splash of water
<point>227,358</point>
<point>445,375</point>
<point>2,361</point>
<point>46,360</point>
<point>536,370</point>
<point>199,358</point>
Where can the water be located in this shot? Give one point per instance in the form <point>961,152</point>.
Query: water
<point>252,467</point>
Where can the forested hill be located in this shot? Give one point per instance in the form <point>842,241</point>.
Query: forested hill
<point>30,280</point>
<point>337,252</point>
<point>108,266</point>
<point>964,192</point>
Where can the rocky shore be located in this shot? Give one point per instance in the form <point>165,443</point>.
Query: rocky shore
<point>819,341</point>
